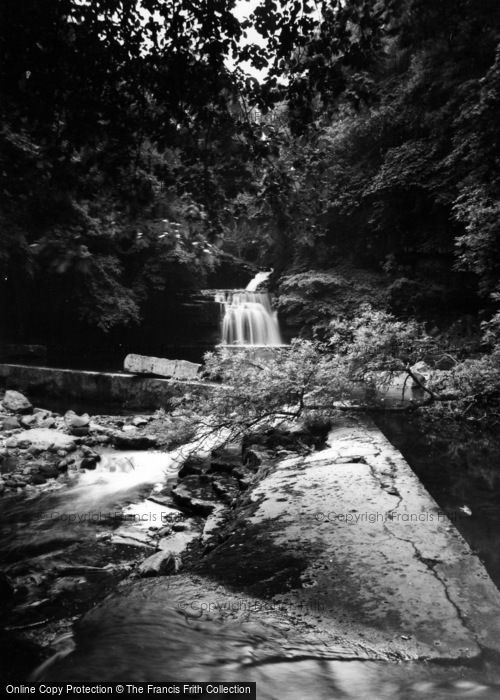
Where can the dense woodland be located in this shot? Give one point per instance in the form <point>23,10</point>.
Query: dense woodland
<point>139,155</point>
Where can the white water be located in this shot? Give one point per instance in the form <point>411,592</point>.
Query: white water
<point>248,317</point>
<point>258,279</point>
<point>123,475</point>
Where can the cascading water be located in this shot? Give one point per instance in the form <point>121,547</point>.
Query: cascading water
<point>248,317</point>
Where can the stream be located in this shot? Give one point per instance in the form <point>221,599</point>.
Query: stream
<point>71,546</point>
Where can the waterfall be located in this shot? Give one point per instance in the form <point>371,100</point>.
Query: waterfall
<point>248,317</point>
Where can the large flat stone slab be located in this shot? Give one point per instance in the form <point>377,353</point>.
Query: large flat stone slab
<point>350,538</point>
<point>177,369</point>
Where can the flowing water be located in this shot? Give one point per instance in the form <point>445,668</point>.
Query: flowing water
<point>247,315</point>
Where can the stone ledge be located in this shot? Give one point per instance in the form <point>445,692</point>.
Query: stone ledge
<point>107,387</point>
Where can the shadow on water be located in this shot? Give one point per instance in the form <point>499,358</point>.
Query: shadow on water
<point>461,470</point>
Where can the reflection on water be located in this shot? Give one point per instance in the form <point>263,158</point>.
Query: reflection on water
<point>461,470</point>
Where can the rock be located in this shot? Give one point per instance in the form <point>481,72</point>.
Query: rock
<point>226,487</point>
<point>130,429</point>
<point>16,481</point>
<point>184,498</point>
<point>177,369</point>
<point>122,441</point>
<point>2,485</point>
<point>225,459</point>
<point>422,372</point>
<point>139,421</point>
<point>16,402</point>
<point>28,421</point>
<point>177,543</point>
<point>10,423</point>
<point>90,462</point>
<point>9,463</point>
<point>43,412</point>
<point>38,479</point>
<point>445,363</point>
<point>42,438</point>
<point>212,524</point>
<point>161,562</point>
<point>77,425</point>
<point>49,471</point>
<point>193,465</point>
<point>46,423</point>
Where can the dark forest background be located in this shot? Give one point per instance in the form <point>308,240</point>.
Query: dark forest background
<point>140,162</point>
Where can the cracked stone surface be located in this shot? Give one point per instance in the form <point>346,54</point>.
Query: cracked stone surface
<point>368,554</point>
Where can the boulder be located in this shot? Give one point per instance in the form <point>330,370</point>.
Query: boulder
<point>77,425</point>
<point>90,462</point>
<point>43,438</point>
<point>422,372</point>
<point>16,402</point>
<point>177,369</point>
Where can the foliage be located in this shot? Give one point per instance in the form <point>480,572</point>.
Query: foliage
<point>122,137</point>
<point>308,301</point>
<point>309,379</point>
<point>351,370</point>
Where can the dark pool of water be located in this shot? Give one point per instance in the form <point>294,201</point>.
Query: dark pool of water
<point>460,467</point>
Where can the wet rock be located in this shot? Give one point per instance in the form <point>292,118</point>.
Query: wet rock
<point>38,479</point>
<point>90,462</point>
<point>122,441</point>
<point>16,402</point>
<point>193,466</point>
<point>185,498</point>
<point>10,423</point>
